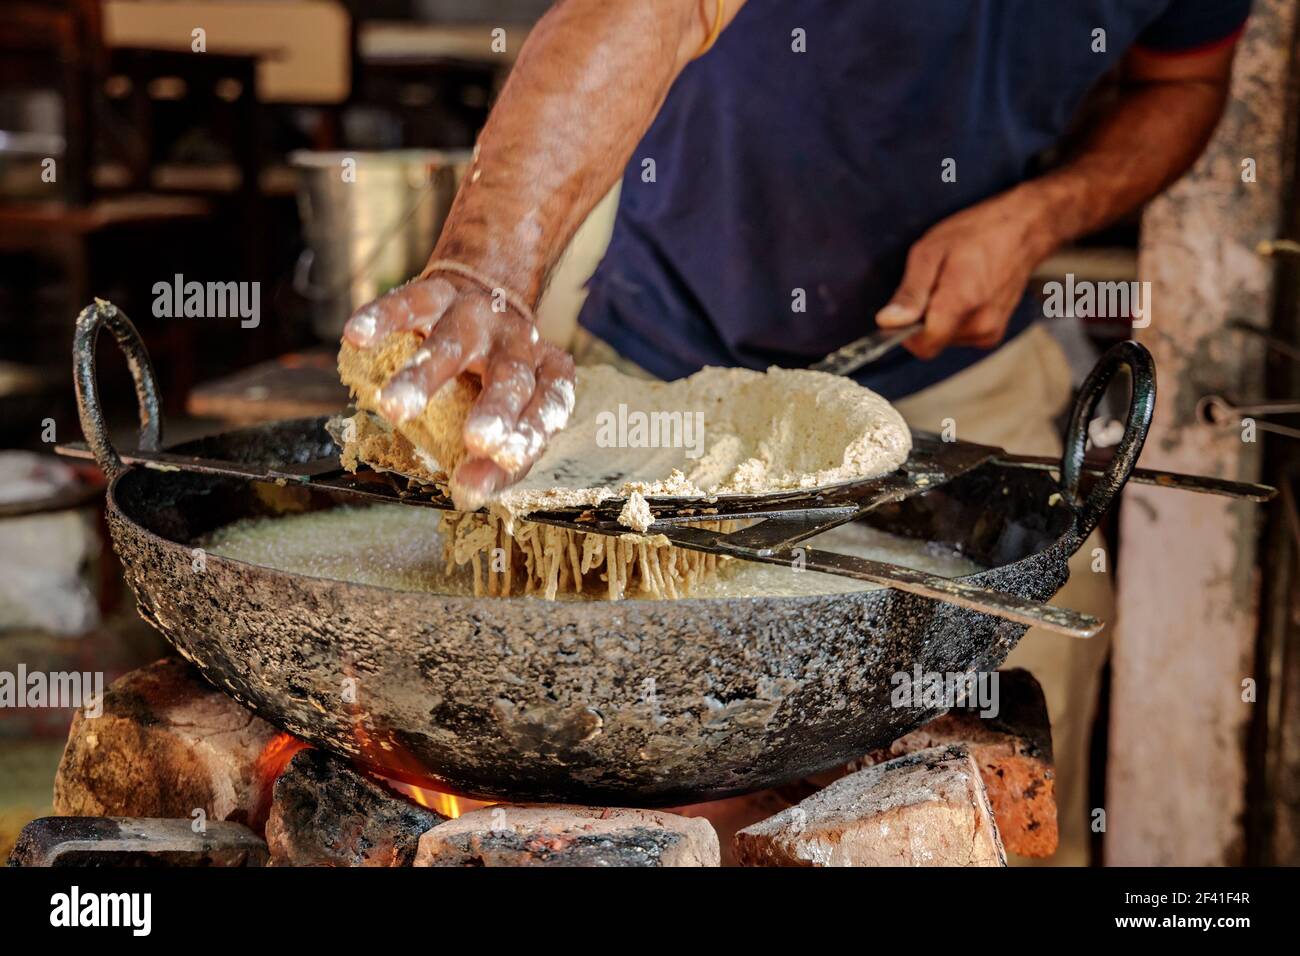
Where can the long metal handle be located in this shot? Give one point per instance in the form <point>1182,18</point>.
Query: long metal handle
<point>864,351</point>
<point>952,591</point>
<point>1153,476</point>
<point>949,590</point>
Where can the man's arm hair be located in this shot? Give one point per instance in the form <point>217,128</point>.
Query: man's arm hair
<point>1167,110</point>
<point>585,88</point>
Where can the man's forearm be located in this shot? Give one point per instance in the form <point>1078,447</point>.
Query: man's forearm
<point>587,85</point>
<point>967,274</point>
<point>1145,143</point>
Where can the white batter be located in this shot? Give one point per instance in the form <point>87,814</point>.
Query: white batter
<point>719,431</point>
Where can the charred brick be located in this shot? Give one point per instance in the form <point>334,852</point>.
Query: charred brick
<point>123,842</point>
<point>326,813</point>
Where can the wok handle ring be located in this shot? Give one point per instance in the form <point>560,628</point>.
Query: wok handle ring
<point>1142,372</point>
<point>85,339</point>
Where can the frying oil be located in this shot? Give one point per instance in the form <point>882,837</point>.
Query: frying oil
<point>400,547</point>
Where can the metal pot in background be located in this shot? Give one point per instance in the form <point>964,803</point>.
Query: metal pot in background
<point>369,225</point>
<point>49,543</point>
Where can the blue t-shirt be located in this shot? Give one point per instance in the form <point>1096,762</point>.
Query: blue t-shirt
<point>776,170</point>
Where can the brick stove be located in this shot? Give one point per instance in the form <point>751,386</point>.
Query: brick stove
<point>176,773</point>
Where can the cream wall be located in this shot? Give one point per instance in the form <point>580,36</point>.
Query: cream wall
<point>557,313</point>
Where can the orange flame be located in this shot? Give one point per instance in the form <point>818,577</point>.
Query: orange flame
<point>404,774</point>
<point>271,762</point>
<point>281,748</point>
<point>275,756</point>
<point>439,801</point>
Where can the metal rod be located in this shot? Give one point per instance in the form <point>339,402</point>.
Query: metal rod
<point>1270,341</point>
<point>1217,410</point>
<point>948,590</point>
<point>951,591</point>
<point>1152,476</point>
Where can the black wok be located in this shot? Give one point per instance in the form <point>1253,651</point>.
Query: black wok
<point>636,702</point>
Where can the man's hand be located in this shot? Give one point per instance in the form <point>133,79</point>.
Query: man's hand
<point>583,91</point>
<point>527,382</point>
<point>967,274</point>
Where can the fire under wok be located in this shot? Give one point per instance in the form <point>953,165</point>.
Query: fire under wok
<point>634,702</point>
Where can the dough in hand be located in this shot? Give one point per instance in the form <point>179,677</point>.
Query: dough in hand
<point>432,442</point>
